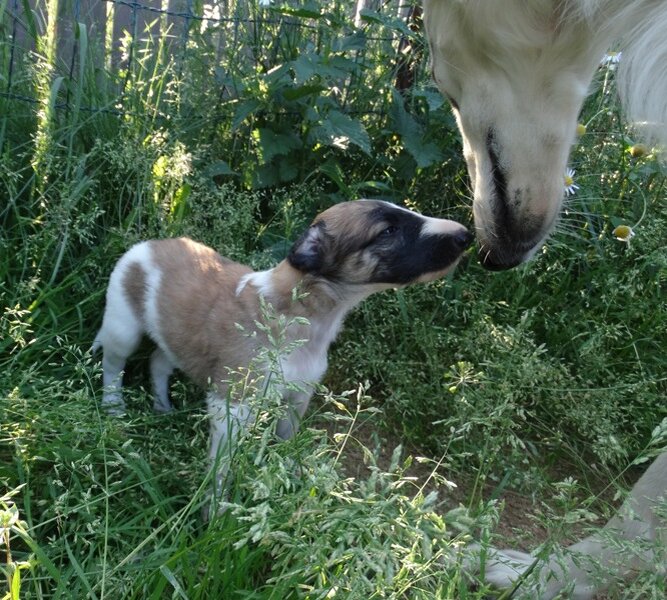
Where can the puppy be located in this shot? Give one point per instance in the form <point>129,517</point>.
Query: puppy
<point>199,307</point>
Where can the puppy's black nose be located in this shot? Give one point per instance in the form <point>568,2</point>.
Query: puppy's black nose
<point>463,239</point>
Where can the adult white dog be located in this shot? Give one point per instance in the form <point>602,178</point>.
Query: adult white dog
<point>516,73</point>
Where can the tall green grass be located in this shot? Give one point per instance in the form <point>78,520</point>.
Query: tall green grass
<point>514,379</point>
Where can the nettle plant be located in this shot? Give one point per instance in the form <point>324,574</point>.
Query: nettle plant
<point>306,92</point>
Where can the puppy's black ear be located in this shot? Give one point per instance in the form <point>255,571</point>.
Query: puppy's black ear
<point>307,253</point>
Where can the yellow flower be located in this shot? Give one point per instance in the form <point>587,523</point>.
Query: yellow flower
<point>639,150</point>
<point>623,233</point>
<point>581,129</point>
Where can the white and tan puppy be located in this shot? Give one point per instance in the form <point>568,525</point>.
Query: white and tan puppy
<point>191,301</point>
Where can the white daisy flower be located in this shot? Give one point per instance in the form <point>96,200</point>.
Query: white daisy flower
<point>570,186</point>
<point>264,3</point>
<point>611,59</point>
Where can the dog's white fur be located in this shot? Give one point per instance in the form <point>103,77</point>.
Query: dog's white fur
<point>190,302</point>
<point>634,540</point>
<point>517,74</point>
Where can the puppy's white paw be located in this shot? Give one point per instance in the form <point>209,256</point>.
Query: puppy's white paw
<point>113,405</point>
<point>162,409</point>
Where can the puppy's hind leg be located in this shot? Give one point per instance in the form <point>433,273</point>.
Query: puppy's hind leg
<point>113,363</point>
<point>119,337</point>
<point>161,369</point>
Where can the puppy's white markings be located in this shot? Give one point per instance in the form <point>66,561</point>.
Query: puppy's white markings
<point>260,279</point>
<point>188,300</point>
<point>437,226</point>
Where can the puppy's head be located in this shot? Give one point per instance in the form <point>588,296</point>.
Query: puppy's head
<point>371,242</point>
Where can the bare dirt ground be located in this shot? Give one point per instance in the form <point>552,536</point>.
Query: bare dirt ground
<point>518,528</point>
<point>518,508</point>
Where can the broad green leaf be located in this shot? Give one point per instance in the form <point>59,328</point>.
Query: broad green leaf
<point>433,98</point>
<point>425,153</point>
<point>371,16</point>
<point>243,110</point>
<point>179,203</point>
<point>306,66</point>
<point>218,168</point>
<point>334,172</point>
<point>310,65</point>
<point>340,130</point>
<point>273,144</point>
<point>262,176</point>
<point>287,169</point>
<point>412,134</point>
<point>299,92</point>
<point>356,41</point>
<point>279,76</point>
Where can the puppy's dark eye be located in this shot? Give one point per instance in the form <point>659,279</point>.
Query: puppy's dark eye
<point>388,231</point>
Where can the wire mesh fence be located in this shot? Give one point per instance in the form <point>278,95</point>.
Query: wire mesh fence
<point>106,45</point>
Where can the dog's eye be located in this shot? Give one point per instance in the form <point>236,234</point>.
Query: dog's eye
<point>388,231</point>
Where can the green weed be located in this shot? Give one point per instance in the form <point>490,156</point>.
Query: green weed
<point>237,138</point>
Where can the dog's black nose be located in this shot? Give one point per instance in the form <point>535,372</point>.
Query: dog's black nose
<point>463,239</point>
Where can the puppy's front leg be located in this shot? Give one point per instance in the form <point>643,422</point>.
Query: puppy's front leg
<point>297,404</point>
<point>226,419</point>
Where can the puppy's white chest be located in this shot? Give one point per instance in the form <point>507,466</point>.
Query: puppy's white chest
<point>308,363</point>
<point>305,365</point>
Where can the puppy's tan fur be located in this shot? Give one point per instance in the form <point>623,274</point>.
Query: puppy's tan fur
<point>202,309</point>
